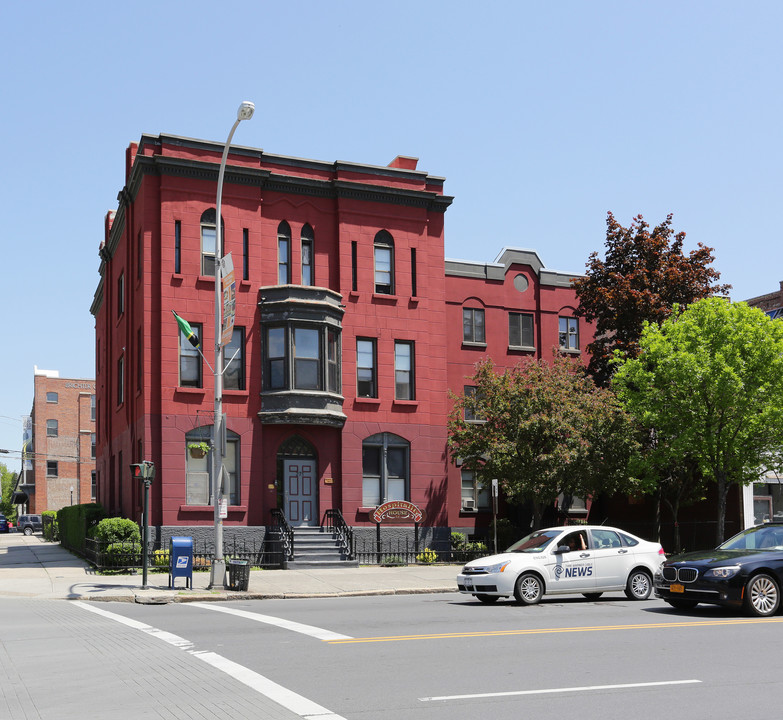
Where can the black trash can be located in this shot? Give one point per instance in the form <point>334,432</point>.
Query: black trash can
<point>238,574</point>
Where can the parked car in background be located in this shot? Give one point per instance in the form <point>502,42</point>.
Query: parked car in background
<point>586,559</point>
<point>28,524</point>
<point>744,572</point>
<point>3,524</point>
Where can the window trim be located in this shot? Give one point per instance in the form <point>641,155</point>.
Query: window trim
<point>480,495</point>
<point>520,329</point>
<point>307,240</point>
<point>208,222</point>
<point>204,434</point>
<point>373,368</point>
<point>121,294</point>
<point>384,441</point>
<point>473,325</point>
<point>383,242</point>
<point>410,394</point>
<point>177,247</point>
<point>570,322</point>
<point>184,344</point>
<point>228,351</point>
<point>284,263</point>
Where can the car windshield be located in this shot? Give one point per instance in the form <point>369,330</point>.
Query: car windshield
<point>535,542</point>
<point>768,537</point>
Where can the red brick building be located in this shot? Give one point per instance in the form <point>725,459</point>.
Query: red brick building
<point>350,329</point>
<point>59,459</point>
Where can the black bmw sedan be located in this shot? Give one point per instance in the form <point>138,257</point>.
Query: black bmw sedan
<point>745,572</point>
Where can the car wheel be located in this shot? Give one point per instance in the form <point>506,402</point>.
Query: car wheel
<point>592,596</point>
<point>528,589</point>
<point>487,599</point>
<point>639,585</point>
<point>762,596</point>
<point>28,531</point>
<point>682,604</point>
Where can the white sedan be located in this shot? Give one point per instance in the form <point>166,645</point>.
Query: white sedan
<point>586,559</point>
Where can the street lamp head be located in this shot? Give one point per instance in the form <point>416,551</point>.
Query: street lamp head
<point>246,110</point>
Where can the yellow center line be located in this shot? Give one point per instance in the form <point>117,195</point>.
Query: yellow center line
<point>545,631</point>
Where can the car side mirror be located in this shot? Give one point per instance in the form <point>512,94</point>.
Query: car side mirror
<point>562,549</point>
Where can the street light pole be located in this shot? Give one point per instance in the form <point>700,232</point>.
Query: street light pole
<point>217,576</point>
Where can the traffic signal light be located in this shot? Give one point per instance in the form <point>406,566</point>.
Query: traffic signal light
<point>144,470</point>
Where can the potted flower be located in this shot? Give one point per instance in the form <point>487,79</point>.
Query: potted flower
<point>198,449</point>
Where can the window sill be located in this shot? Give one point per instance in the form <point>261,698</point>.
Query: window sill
<point>367,401</point>
<point>232,509</point>
<point>570,351</point>
<point>405,403</point>
<point>521,348</point>
<point>384,299</point>
<point>230,392</point>
<point>205,280</point>
<point>177,278</point>
<point>474,345</point>
<point>190,390</point>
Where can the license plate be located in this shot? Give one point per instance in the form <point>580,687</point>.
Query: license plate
<point>468,583</point>
<point>677,588</point>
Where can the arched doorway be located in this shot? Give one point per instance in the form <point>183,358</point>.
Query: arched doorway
<point>298,467</point>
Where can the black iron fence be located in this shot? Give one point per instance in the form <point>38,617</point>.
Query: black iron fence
<point>404,551</point>
<point>128,555</point>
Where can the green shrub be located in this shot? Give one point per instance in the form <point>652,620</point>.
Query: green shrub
<point>122,554</point>
<point>117,530</point>
<point>49,519</point>
<point>427,557</point>
<point>160,558</point>
<point>392,561</point>
<point>457,541</point>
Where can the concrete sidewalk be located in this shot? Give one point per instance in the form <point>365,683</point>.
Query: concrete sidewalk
<point>33,568</point>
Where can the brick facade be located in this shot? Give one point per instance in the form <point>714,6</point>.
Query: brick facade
<point>61,448</point>
<point>379,282</point>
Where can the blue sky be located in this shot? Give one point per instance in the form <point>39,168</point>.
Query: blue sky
<point>542,116</point>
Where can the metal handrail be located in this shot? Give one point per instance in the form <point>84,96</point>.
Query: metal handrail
<point>286,532</point>
<point>334,521</point>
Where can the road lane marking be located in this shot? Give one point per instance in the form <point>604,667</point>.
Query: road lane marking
<point>553,631</point>
<point>306,709</point>
<point>311,630</point>
<point>548,691</point>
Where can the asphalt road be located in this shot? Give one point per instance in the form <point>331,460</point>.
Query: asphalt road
<point>446,656</point>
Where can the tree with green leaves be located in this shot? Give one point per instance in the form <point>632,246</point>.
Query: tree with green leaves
<point>645,273</point>
<point>541,429</point>
<point>7,483</point>
<point>709,381</point>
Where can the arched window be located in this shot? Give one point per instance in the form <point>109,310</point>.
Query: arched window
<point>208,239</point>
<point>199,467</point>
<point>308,258</point>
<point>385,469</point>
<point>283,253</point>
<point>384,263</point>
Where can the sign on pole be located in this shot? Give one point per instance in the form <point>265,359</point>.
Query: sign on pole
<point>229,298</point>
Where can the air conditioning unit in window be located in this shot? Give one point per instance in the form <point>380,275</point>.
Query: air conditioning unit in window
<point>468,504</point>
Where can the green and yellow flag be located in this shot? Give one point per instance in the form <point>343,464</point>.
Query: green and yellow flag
<point>187,331</point>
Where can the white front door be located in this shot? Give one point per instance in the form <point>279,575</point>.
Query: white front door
<point>301,499</point>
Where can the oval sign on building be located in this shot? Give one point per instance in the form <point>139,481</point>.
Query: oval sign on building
<point>399,510</point>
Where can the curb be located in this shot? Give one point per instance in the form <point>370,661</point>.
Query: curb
<point>165,599</point>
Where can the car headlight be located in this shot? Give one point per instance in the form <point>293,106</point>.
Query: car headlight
<point>497,567</point>
<point>723,572</point>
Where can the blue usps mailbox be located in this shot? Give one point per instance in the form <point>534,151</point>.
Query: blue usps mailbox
<point>181,560</point>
